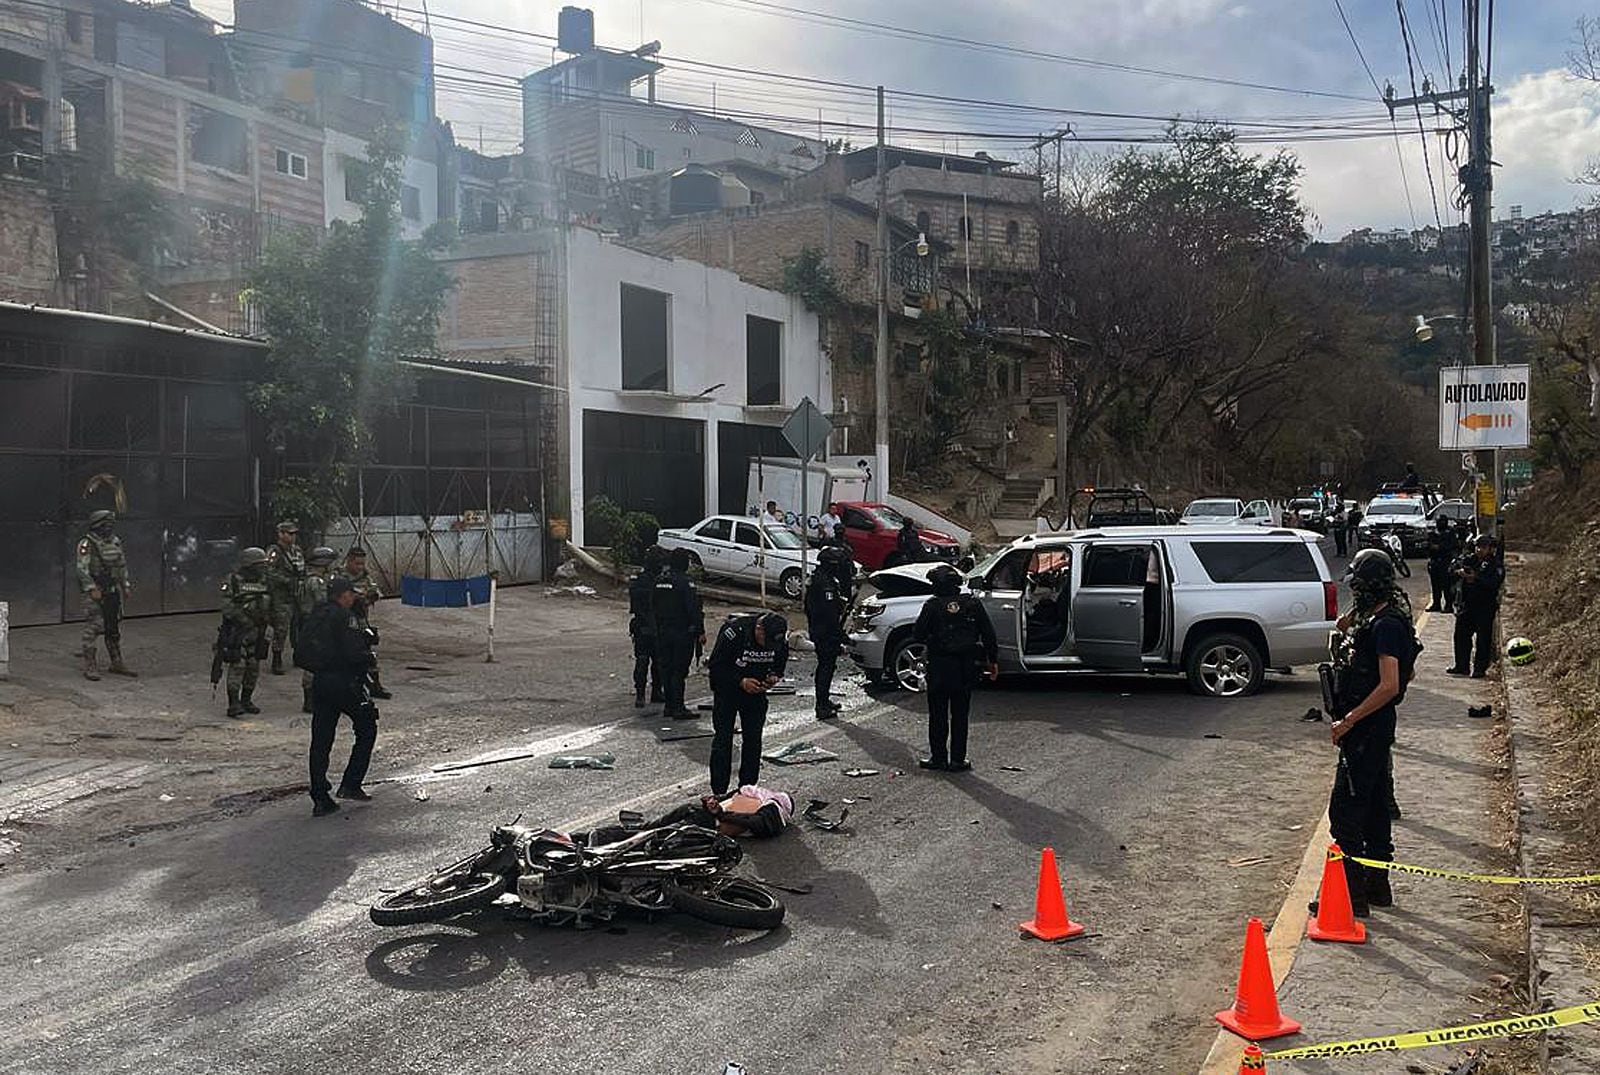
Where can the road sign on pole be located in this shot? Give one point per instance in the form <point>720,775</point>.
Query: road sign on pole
<point>1483,407</point>
<point>807,432</point>
<point>1469,462</point>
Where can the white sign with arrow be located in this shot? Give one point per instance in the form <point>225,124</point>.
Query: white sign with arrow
<point>1483,407</point>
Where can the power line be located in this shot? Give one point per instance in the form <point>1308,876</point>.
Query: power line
<point>1359,54</point>
<point>826,18</point>
<point>1405,39</point>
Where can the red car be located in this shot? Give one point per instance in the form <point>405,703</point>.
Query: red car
<point>873,531</point>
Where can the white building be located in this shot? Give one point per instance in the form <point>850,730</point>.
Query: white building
<point>669,375</point>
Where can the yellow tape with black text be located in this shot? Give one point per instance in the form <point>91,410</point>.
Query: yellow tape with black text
<point>1422,1039</point>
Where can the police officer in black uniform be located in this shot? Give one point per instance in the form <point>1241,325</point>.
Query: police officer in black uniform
<point>1444,545</point>
<point>336,648</point>
<point>680,627</point>
<point>642,627</point>
<point>827,601</point>
<point>1481,576</point>
<point>1380,651</point>
<point>746,661</point>
<point>908,543</point>
<point>961,647</point>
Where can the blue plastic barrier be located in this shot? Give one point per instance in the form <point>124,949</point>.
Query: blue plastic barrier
<point>444,593</point>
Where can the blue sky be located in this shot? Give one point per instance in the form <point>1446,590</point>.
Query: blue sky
<point>1546,123</point>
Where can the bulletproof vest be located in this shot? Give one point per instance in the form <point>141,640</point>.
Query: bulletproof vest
<point>250,595</point>
<point>286,566</point>
<point>955,627</point>
<point>1363,674</point>
<point>641,600</point>
<point>106,558</point>
<point>754,659</point>
<point>313,590</point>
<point>668,604</point>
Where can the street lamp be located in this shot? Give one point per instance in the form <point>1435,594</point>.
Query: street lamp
<point>1424,327</point>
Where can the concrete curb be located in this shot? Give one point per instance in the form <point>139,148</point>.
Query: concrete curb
<point>1563,940</point>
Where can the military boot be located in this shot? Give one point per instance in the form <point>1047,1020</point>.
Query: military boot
<point>91,664</point>
<point>245,703</point>
<point>1355,876</point>
<point>1379,892</point>
<point>377,687</point>
<point>305,699</point>
<point>117,667</point>
<point>277,660</point>
<point>234,709</point>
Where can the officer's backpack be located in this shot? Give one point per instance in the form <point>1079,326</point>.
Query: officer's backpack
<point>314,644</point>
<point>955,628</point>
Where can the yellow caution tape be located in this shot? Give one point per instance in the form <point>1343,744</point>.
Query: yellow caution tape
<point>1461,875</point>
<point>1422,1039</point>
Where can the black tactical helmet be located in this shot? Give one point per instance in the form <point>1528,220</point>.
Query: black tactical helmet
<point>101,518</point>
<point>776,626</point>
<point>654,557</point>
<point>254,556</point>
<point>1370,576</point>
<point>837,562</point>
<point>321,556</point>
<point>946,580</point>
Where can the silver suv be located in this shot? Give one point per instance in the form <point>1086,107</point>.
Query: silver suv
<point>1219,604</point>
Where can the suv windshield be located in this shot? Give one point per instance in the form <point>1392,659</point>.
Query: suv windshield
<point>1212,509</point>
<point>888,516</point>
<point>1394,507</point>
<point>782,539</point>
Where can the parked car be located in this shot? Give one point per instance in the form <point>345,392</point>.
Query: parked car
<point>742,549</point>
<point>1457,511</point>
<point>1226,511</point>
<point>1219,605</point>
<point>1400,513</point>
<point>873,531</point>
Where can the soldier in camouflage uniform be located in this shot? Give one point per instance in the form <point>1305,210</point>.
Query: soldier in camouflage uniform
<point>286,570</point>
<point>246,614</point>
<point>313,591</point>
<point>367,592</point>
<point>103,578</point>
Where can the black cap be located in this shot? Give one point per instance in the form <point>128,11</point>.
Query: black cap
<point>339,586</point>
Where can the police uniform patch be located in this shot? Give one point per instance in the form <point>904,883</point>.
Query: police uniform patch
<point>953,607</point>
<point>730,632</point>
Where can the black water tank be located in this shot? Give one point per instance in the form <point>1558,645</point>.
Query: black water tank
<point>575,30</point>
<point>695,189</point>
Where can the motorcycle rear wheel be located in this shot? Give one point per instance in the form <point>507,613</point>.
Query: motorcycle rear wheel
<point>437,899</point>
<point>731,902</point>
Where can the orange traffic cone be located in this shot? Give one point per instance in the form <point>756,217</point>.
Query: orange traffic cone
<point>1255,1014</point>
<point>1050,921</point>
<point>1253,1060</point>
<point>1335,920</point>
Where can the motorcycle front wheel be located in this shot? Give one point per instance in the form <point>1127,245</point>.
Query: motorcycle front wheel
<point>729,901</point>
<point>438,898</point>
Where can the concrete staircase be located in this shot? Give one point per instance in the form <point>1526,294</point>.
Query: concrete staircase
<point>1014,515</point>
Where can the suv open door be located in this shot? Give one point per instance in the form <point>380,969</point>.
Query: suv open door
<point>1120,589</point>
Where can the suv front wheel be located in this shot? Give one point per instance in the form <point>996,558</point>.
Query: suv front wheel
<point>1225,665</point>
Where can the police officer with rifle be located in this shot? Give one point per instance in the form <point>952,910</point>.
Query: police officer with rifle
<point>1374,657</point>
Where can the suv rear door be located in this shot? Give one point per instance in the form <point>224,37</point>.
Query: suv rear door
<point>1108,606</point>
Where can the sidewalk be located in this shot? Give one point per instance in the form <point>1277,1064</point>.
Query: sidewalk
<point>1448,953</point>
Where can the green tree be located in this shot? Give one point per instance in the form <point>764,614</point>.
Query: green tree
<point>341,315</point>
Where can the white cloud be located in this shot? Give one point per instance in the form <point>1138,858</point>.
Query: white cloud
<point>1546,125</point>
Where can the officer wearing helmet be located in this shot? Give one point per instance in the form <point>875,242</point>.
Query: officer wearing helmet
<point>1443,547</point>
<point>642,626</point>
<point>102,570</point>
<point>313,592</point>
<point>286,570</point>
<point>242,638</point>
<point>747,661</point>
<point>827,600</point>
<point>1380,652</point>
<point>961,647</point>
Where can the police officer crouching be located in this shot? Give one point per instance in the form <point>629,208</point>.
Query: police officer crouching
<point>336,647</point>
<point>961,647</point>
<point>747,660</point>
<point>827,600</point>
<point>1378,653</point>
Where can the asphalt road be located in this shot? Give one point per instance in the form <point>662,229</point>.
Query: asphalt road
<point>243,944</point>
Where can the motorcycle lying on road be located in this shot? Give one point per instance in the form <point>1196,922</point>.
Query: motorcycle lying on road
<point>1397,553</point>
<point>560,880</point>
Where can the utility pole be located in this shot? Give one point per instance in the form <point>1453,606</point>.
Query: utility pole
<point>880,468</point>
<point>1478,183</point>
